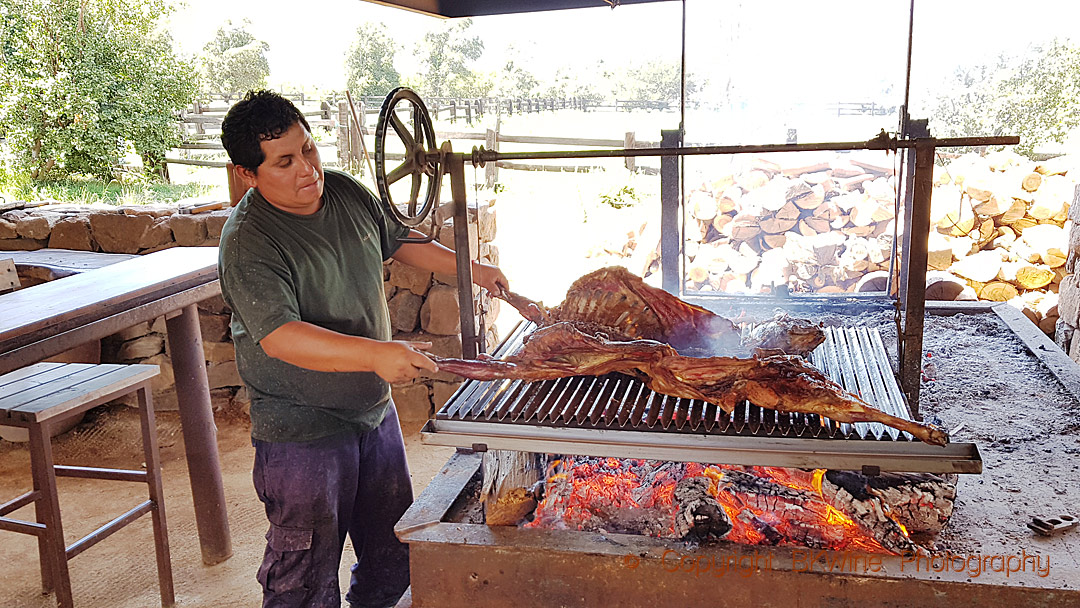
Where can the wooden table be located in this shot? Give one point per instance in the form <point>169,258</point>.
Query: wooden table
<point>47,319</point>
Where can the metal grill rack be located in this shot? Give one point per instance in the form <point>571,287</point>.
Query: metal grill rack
<point>615,415</point>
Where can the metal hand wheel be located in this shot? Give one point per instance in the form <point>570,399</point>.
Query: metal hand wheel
<point>405,113</point>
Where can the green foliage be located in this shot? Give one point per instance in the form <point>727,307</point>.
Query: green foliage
<point>235,61</point>
<point>20,187</point>
<point>370,62</point>
<point>516,81</point>
<point>82,81</point>
<point>654,81</point>
<point>1036,96</point>
<point>621,198</point>
<point>578,81</point>
<point>445,58</point>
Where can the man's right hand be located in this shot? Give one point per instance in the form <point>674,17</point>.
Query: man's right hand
<point>401,361</point>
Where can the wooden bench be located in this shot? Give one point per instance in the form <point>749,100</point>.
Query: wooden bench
<point>43,265</point>
<point>46,394</point>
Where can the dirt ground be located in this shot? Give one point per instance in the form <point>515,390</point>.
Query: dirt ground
<point>120,572</point>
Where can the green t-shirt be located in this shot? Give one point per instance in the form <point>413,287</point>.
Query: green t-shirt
<point>324,269</point>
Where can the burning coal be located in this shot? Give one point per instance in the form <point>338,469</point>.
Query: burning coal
<point>747,505</point>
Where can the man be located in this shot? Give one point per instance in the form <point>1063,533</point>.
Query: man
<point>301,267</point>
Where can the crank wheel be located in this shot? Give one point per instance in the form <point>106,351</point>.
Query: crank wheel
<point>404,122</point>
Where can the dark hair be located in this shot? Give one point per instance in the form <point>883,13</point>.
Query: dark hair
<point>260,116</point>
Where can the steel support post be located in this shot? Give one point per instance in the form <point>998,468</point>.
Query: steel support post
<point>913,294</point>
<point>669,214</point>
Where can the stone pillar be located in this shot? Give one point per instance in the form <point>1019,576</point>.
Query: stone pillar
<point>1066,334</point>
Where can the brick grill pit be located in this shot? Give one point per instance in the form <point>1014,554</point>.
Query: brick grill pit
<point>457,564</point>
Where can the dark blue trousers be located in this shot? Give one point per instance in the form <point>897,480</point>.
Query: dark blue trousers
<point>316,492</point>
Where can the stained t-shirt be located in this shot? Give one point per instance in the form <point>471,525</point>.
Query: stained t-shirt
<point>324,269</point>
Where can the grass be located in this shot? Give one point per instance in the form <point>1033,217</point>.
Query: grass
<point>138,190</point>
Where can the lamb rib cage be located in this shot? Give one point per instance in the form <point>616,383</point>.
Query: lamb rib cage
<point>615,415</point>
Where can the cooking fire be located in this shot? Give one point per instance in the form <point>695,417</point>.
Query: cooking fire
<point>750,505</point>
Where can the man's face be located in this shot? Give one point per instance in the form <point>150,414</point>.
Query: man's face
<point>291,176</point>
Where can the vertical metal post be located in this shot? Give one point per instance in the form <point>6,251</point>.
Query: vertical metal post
<point>455,164</point>
<point>669,213</point>
<point>200,435</point>
<point>913,304</point>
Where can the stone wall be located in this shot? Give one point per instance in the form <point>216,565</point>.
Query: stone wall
<point>422,306</point>
<point>1066,334</point>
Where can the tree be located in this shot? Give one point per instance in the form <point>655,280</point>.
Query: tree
<point>445,57</point>
<point>235,61</point>
<point>370,62</point>
<point>83,81</point>
<point>654,81</point>
<point>513,80</point>
<point>1036,96</point>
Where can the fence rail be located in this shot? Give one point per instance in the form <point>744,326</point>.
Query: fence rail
<point>333,113</point>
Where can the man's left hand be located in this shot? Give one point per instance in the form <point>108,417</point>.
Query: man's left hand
<point>491,278</point>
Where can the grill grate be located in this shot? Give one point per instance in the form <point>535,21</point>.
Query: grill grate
<point>854,357</point>
<point>616,415</point>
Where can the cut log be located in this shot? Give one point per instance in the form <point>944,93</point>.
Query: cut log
<point>839,169</point>
<point>1014,214</point>
<point>877,281</point>
<point>943,286</point>
<point>982,266</point>
<point>958,222</point>
<point>803,170</point>
<point>855,183</point>
<point>1023,224</point>
<point>729,200</point>
<point>1032,181</point>
<point>774,241</point>
<point>921,502</point>
<point>743,228</point>
<point>752,180</point>
<point>1046,206</point>
<point>871,167</point>
<point>998,291</point>
<point>1034,277</point>
<point>994,206</point>
<point>811,200</point>
<point>828,211</point>
<point>703,205</point>
<point>508,487</point>
<point>1053,257</point>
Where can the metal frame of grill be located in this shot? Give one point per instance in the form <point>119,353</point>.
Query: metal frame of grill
<point>615,415</point>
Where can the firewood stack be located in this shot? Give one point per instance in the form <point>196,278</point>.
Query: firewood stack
<point>1002,228</point>
<point>999,230</point>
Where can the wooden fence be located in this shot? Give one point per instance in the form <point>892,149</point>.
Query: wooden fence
<point>202,124</point>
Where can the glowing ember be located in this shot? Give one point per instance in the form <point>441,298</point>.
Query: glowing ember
<point>764,505</point>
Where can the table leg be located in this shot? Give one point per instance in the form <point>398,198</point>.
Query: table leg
<point>200,435</point>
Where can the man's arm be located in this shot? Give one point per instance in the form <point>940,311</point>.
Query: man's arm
<point>437,258</point>
<point>316,348</point>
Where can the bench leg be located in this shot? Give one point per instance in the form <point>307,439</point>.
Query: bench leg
<point>41,459</point>
<point>41,516</point>
<point>153,480</point>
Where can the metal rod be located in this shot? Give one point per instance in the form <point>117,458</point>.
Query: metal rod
<point>96,473</point>
<point>108,529</point>
<point>482,156</point>
<point>17,503</point>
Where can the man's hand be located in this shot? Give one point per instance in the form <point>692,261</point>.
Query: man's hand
<point>401,361</point>
<point>491,278</point>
